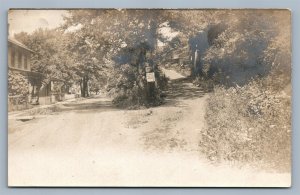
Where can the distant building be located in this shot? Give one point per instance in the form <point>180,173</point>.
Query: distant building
<point>53,90</point>
<point>19,60</point>
<point>18,56</point>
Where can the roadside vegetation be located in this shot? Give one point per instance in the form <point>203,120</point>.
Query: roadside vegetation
<point>249,110</point>
<point>17,86</point>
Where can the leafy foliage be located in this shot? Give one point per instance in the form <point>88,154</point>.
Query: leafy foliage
<point>235,53</point>
<point>17,84</point>
<point>117,44</point>
<point>50,57</point>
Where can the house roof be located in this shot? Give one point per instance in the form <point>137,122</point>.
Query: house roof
<point>16,42</point>
<point>22,70</point>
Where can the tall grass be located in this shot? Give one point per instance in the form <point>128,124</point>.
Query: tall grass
<point>249,124</point>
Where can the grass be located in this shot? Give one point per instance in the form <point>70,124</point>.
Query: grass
<point>249,124</point>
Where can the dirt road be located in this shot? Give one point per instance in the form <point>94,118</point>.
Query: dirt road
<point>91,143</point>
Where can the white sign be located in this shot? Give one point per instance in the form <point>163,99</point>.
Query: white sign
<point>150,77</point>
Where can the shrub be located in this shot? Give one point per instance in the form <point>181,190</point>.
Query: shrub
<point>206,84</point>
<point>248,124</point>
<point>129,88</point>
<point>17,85</point>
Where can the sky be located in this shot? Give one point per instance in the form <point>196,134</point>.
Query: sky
<point>30,20</point>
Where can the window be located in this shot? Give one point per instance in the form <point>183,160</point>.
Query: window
<point>16,64</point>
<point>12,57</point>
<point>20,60</point>
<point>25,61</point>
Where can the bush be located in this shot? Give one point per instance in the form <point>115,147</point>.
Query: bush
<point>17,85</point>
<point>206,84</point>
<point>248,124</point>
<point>129,88</point>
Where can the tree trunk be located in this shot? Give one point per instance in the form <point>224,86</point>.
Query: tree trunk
<point>196,68</point>
<point>81,87</point>
<point>38,94</point>
<point>32,93</point>
<point>84,86</point>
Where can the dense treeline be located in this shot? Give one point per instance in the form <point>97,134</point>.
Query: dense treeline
<point>110,48</point>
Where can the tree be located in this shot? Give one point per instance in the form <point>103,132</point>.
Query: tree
<point>50,57</point>
<point>110,39</point>
<point>234,54</point>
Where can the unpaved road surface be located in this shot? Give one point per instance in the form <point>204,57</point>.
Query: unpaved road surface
<point>91,143</point>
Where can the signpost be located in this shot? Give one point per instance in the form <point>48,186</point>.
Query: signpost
<point>150,77</point>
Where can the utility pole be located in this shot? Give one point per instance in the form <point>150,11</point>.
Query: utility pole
<point>196,59</point>
<point>150,78</point>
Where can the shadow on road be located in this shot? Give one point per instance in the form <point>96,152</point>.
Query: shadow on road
<point>181,89</point>
<point>178,90</point>
<point>95,106</point>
